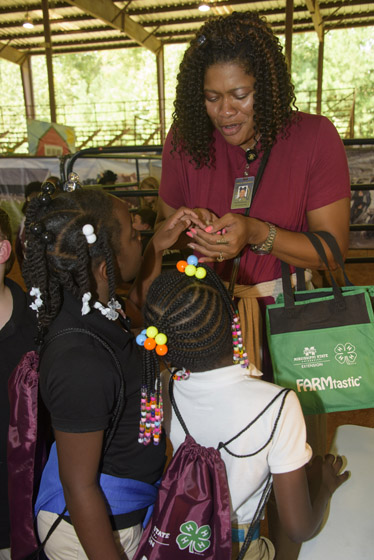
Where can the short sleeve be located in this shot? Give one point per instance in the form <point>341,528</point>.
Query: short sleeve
<point>79,386</point>
<point>289,450</point>
<point>171,185</point>
<point>329,173</point>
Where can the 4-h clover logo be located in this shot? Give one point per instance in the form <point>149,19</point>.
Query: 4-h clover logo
<point>197,538</point>
<point>345,353</point>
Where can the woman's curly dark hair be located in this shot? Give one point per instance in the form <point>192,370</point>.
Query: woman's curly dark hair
<point>59,257</point>
<point>246,39</point>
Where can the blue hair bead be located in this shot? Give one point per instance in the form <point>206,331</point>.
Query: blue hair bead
<point>192,259</point>
<point>141,338</point>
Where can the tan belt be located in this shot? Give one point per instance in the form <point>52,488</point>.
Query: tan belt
<point>250,313</point>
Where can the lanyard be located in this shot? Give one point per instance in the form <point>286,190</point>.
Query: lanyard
<point>235,267</point>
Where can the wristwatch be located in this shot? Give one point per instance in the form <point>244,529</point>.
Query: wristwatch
<point>266,247</point>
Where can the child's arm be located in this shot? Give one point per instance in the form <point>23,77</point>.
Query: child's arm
<point>164,238</point>
<point>301,509</point>
<point>79,456</point>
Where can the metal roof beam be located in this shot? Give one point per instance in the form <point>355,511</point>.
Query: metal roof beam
<point>106,11</point>
<point>12,55</point>
<point>313,7</point>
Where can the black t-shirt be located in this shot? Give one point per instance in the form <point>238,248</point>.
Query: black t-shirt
<point>16,338</point>
<point>80,384</point>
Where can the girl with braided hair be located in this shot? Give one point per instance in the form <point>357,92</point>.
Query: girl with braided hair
<point>235,125</point>
<point>218,399</point>
<point>79,246</point>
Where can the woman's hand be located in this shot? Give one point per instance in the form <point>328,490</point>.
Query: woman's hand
<point>227,236</point>
<point>294,248</point>
<point>206,216</point>
<point>166,236</point>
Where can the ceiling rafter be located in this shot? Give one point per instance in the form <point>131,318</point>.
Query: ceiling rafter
<point>106,11</point>
<point>83,25</point>
<point>313,7</point>
<point>11,54</point>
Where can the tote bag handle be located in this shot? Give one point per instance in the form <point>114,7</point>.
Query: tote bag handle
<point>289,300</point>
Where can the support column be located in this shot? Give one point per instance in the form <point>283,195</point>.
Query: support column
<point>321,45</point>
<point>161,91</point>
<point>289,28</point>
<point>48,55</point>
<point>28,91</point>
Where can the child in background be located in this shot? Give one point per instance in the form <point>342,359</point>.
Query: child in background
<point>143,219</point>
<point>217,400</point>
<point>147,184</point>
<point>79,245</point>
<point>17,333</point>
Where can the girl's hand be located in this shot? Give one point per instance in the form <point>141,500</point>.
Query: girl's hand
<point>324,474</point>
<point>331,469</point>
<point>167,235</point>
<point>227,236</point>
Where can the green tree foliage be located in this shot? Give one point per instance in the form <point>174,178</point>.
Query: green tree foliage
<point>121,85</point>
<point>348,66</point>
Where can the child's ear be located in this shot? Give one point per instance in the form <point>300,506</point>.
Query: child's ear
<point>5,251</point>
<point>102,270</point>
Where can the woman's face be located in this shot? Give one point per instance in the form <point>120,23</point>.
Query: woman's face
<point>130,254</point>
<point>229,94</point>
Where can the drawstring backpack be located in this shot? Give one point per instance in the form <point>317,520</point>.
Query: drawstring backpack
<point>192,512</point>
<point>28,445</point>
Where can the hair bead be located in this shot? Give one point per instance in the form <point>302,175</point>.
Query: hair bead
<point>190,268</point>
<point>89,232</point>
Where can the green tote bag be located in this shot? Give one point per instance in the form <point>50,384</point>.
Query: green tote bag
<point>322,341</point>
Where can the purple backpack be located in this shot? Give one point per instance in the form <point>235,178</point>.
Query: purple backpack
<point>29,437</point>
<point>192,512</point>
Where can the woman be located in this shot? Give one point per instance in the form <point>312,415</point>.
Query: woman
<point>79,245</point>
<point>233,110</point>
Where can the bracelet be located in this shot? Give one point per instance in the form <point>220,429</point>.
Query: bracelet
<point>266,247</point>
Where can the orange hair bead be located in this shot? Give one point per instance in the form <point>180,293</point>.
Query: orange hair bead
<point>161,349</point>
<point>181,265</point>
<point>149,343</point>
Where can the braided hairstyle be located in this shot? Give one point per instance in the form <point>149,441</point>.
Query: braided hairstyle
<point>195,315</point>
<point>6,234</point>
<point>58,256</point>
<point>245,39</point>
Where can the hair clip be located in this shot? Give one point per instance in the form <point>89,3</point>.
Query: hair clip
<point>38,302</point>
<point>89,233</point>
<point>47,237</point>
<point>48,188</point>
<point>86,303</point>
<point>73,183</point>
<point>180,374</point>
<point>44,198</point>
<point>37,228</point>
<point>110,311</point>
<point>151,339</point>
<point>190,267</point>
<point>201,40</point>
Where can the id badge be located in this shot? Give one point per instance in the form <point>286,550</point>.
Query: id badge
<point>242,195</point>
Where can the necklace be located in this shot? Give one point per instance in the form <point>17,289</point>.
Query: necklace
<point>251,155</point>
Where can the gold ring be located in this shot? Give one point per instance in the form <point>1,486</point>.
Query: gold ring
<point>222,241</point>
<point>220,258</point>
